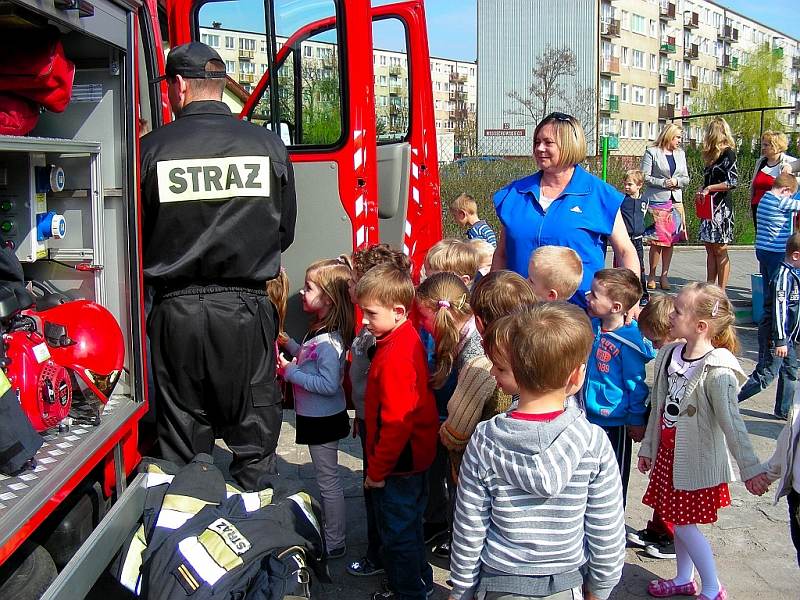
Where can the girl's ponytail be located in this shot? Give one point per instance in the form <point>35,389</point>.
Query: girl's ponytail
<point>278,292</point>
<point>713,306</point>
<point>446,295</point>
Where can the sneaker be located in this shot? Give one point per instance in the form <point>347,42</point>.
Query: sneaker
<point>364,568</point>
<point>644,537</point>
<point>336,552</point>
<point>431,531</point>
<point>442,550</point>
<point>665,549</point>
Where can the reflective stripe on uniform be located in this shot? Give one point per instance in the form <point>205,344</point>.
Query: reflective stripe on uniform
<point>218,549</point>
<point>303,500</point>
<point>5,384</point>
<point>256,500</point>
<point>201,561</point>
<point>131,567</point>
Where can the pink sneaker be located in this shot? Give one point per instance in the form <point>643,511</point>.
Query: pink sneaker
<point>722,595</point>
<point>664,588</point>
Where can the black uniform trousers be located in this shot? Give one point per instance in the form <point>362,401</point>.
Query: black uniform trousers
<point>213,356</point>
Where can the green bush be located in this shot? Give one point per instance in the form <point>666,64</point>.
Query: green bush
<point>482,179</point>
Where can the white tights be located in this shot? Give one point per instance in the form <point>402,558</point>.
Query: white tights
<point>693,550</point>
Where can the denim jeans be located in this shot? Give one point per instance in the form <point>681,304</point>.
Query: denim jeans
<point>399,506</point>
<point>770,366</point>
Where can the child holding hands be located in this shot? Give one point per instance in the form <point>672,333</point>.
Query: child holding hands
<point>695,415</point>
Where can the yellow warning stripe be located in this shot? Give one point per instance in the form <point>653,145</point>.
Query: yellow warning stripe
<point>188,576</point>
<point>219,550</point>
<point>184,504</point>
<point>5,385</point>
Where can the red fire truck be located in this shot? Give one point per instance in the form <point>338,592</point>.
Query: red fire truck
<point>364,172</point>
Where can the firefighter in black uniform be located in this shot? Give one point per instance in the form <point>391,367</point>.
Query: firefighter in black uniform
<point>218,209</point>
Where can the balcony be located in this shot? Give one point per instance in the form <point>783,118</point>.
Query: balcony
<point>610,28</point>
<point>666,78</point>
<point>666,111</point>
<point>796,87</point>
<point>724,61</point>
<point>777,52</point>
<point>728,33</point>
<point>690,83</point>
<point>734,63</point>
<point>666,10</point>
<point>796,62</point>
<point>613,140</point>
<point>610,104</point>
<point>396,70</point>
<point>457,77</point>
<point>691,20</point>
<point>247,77</point>
<point>691,52</point>
<point>668,45</point>
<point>246,54</point>
<point>395,89</point>
<point>609,66</point>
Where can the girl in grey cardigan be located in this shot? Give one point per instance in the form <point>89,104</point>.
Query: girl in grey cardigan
<point>695,417</point>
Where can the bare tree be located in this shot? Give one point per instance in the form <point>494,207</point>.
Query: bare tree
<point>547,90</point>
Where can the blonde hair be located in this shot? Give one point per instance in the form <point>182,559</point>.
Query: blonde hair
<point>777,140</point>
<point>654,318</point>
<point>665,137</point>
<point>484,249</point>
<point>278,293</point>
<point>570,138</point>
<point>712,306</point>
<point>453,255</point>
<point>793,243</point>
<point>558,268</point>
<point>497,339</point>
<point>621,285</point>
<point>466,203</point>
<point>387,284</point>
<point>447,296</point>
<point>785,180</point>
<point>332,276</point>
<point>636,175</point>
<point>550,340</point>
<point>498,294</point>
<point>717,138</point>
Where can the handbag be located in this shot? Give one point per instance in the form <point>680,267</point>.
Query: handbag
<point>704,206</point>
<point>36,68</point>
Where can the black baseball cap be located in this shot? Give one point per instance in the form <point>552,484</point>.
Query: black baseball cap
<point>189,61</point>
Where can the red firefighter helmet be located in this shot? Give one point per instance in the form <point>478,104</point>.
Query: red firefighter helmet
<point>85,337</point>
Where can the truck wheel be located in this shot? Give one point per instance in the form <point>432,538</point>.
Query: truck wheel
<point>28,573</point>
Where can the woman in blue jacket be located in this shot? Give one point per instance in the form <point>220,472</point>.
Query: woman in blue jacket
<point>562,204</point>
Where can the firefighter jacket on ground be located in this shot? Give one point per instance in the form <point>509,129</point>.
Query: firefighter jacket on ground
<point>200,537</point>
<point>218,200</point>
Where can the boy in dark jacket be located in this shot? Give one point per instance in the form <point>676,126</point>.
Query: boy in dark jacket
<point>402,428</point>
<point>633,210</point>
<point>615,393</point>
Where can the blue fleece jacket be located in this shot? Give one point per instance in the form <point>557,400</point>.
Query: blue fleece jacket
<point>615,392</point>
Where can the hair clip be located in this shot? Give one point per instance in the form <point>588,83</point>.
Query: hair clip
<point>444,304</point>
<point>715,309</point>
<point>283,269</point>
<point>461,301</point>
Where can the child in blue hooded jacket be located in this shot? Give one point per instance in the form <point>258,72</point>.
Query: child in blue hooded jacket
<point>615,392</point>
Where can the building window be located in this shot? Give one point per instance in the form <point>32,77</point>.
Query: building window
<point>654,63</point>
<point>638,59</point>
<point>626,20</point>
<point>638,24</point>
<point>246,67</point>
<point>652,29</point>
<point>624,87</point>
<point>210,40</point>
<point>229,41</point>
<point>652,94</point>
<point>636,130</point>
<point>638,94</point>
<point>307,51</point>
<point>651,131</point>
<point>626,59</point>
<point>624,129</point>
<point>230,67</point>
<point>247,44</point>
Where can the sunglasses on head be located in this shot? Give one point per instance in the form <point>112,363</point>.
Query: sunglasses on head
<point>564,118</point>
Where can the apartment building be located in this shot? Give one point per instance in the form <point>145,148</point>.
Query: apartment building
<point>657,55</point>
<point>454,82</point>
<point>648,59</point>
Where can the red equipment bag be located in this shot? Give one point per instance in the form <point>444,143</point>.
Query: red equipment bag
<point>35,68</point>
<point>17,115</point>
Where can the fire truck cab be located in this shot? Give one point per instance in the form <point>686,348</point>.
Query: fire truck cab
<point>364,174</point>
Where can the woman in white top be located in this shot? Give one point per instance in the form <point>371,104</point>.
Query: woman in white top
<point>665,172</point>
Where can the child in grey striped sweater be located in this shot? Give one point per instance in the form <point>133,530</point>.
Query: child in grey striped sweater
<point>539,510</point>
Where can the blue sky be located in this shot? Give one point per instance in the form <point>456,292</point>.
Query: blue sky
<point>452,24</point>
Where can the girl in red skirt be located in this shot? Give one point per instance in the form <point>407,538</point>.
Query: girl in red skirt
<point>695,415</point>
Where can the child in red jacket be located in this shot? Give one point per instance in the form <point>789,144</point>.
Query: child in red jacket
<point>402,427</point>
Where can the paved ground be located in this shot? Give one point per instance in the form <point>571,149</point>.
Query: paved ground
<point>751,540</point>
